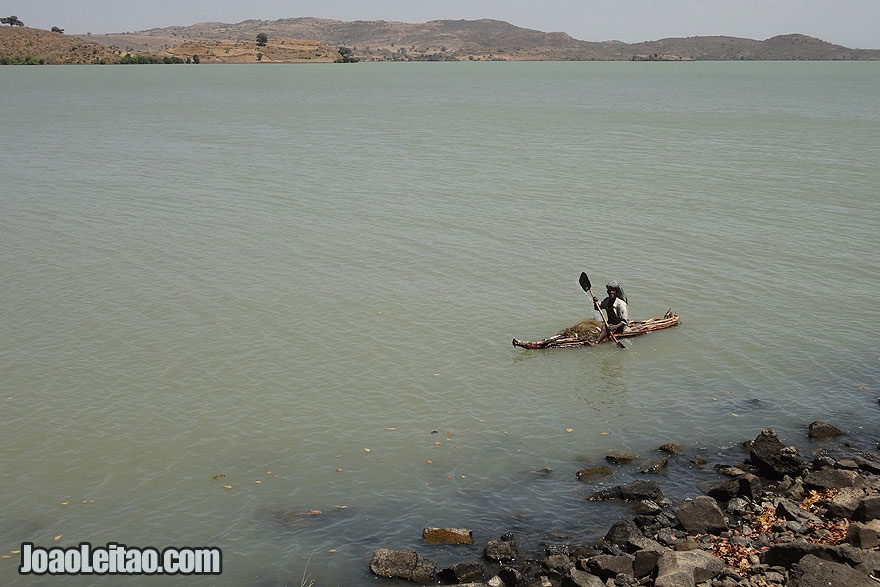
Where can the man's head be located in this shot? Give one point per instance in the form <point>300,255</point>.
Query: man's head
<point>613,288</point>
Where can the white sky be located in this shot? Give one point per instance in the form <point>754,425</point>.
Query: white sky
<point>852,23</point>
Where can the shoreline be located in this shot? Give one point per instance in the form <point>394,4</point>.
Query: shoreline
<point>777,518</point>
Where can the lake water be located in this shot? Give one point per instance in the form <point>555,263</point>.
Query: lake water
<point>307,278</point>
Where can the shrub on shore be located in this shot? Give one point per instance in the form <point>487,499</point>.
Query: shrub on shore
<point>29,60</point>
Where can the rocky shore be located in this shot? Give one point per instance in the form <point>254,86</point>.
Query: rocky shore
<point>777,519</point>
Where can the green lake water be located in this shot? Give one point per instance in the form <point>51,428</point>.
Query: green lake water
<point>307,278</point>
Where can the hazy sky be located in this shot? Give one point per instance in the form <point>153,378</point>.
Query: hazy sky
<point>852,23</point>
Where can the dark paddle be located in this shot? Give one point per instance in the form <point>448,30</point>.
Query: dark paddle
<point>587,287</point>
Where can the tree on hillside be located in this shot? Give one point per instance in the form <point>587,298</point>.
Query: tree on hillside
<point>347,55</point>
<point>262,39</point>
<point>11,21</point>
<point>55,29</point>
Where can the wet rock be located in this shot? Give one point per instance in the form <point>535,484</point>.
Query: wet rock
<point>403,564</point>
<point>466,572</point>
<point>814,572</point>
<point>871,465</point>
<point>654,466</point>
<point>593,473</point>
<point>647,508</point>
<point>773,459</point>
<point>868,509</point>
<point>635,491</point>
<point>670,448</point>
<point>820,430</point>
<point>620,458</point>
<point>502,550</point>
<point>699,461</point>
<point>447,536</point>
<point>495,581</point>
<point>847,464</point>
<point>729,470</point>
<point>701,516</point>
<point>833,479</point>
<point>724,491</point>
<point>687,568</point>
<point>510,576</point>
<point>622,533</point>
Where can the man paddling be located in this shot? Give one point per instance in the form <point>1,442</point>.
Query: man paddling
<point>615,307</point>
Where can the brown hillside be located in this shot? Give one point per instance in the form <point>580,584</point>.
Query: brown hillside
<point>275,51</point>
<point>781,48</point>
<point>479,39</point>
<point>379,40</point>
<point>52,48</point>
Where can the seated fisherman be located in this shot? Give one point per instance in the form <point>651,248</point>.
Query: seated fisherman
<point>615,307</point>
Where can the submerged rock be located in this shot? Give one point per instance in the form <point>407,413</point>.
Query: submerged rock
<point>463,573</point>
<point>502,550</point>
<point>403,564</point>
<point>820,430</point>
<point>594,473</point>
<point>654,466</point>
<point>620,458</point>
<point>780,532</point>
<point>635,491</point>
<point>670,448</point>
<point>447,535</point>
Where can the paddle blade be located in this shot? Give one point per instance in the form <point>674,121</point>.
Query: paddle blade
<point>585,282</point>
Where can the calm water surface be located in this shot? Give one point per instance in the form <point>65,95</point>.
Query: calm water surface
<point>306,278</point>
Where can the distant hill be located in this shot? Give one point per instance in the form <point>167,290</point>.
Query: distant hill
<point>52,48</point>
<point>480,40</point>
<point>275,51</point>
<point>37,46</point>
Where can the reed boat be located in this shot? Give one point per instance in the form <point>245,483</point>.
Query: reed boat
<point>636,328</point>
